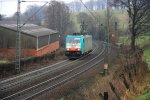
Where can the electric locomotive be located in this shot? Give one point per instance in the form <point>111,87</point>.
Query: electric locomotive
<point>78,45</point>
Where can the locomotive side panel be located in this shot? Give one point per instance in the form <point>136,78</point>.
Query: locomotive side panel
<point>88,43</point>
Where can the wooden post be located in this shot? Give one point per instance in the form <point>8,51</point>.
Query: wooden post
<point>105,69</point>
<point>105,95</point>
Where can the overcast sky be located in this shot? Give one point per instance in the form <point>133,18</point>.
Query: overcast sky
<point>9,7</point>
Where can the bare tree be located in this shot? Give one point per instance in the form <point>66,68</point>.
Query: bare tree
<point>77,6</point>
<point>100,4</point>
<point>139,17</point>
<point>58,16</point>
<point>37,18</point>
<point>90,4</point>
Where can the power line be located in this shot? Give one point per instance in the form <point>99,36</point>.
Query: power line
<point>88,9</point>
<point>33,14</point>
<point>18,37</point>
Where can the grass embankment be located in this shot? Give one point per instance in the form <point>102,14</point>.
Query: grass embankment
<point>143,42</point>
<point>90,88</point>
<point>4,61</point>
<point>146,94</point>
<point>147,56</point>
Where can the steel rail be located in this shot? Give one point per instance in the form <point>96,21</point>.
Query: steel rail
<point>59,76</point>
<point>65,80</point>
<point>37,74</point>
<point>35,71</point>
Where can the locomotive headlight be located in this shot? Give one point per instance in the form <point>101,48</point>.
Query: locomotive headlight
<point>68,49</point>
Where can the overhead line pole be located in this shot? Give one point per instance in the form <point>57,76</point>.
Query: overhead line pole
<point>107,35</point>
<point>18,36</point>
<point>108,29</point>
<point>18,42</point>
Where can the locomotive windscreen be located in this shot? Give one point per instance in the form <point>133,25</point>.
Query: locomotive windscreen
<point>73,40</point>
<point>73,44</point>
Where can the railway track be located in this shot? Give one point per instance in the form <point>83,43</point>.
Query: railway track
<point>52,82</point>
<point>9,83</point>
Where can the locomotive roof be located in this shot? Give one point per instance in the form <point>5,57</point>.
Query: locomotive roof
<point>75,35</point>
<point>30,29</point>
<point>78,35</point>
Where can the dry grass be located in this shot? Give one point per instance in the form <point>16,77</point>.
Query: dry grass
<point>129,96</point>
<point>89,87</point>
<point>139,89</point>
<point>92,92</point>
<point>93,88</point>
<point>139,86</point>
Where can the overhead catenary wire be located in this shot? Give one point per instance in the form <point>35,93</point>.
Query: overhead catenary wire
<point>88,10</point>
<point>33,14</point>
<point>18,42</point>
